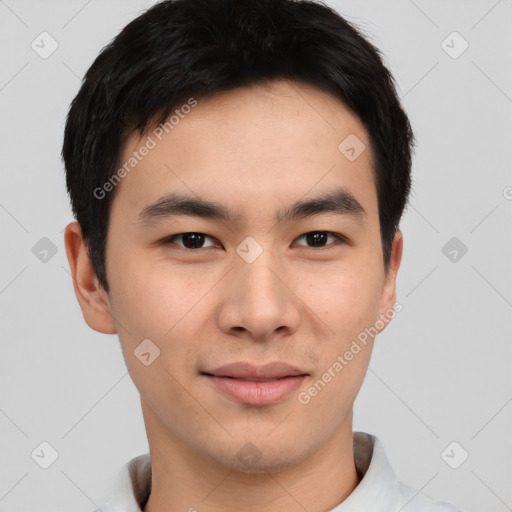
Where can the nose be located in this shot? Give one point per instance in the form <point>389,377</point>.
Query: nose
<point>258,303</point>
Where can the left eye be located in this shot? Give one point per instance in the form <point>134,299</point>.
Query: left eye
<point>319,238</point>
<point>196,240</point>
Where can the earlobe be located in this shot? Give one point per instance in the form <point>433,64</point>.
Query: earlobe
<point>91,296</point>
<point>388,297</point>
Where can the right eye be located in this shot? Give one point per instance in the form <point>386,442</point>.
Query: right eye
<point>190,241</point>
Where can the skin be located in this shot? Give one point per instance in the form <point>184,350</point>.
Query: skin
<point>255,150</point>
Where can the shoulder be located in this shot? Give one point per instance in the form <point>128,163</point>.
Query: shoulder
<point>131,487</point>
<point>412,500</point>
<point>380,483</point>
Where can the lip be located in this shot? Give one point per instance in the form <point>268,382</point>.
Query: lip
<point>249,371</point>
<point>256,385</point>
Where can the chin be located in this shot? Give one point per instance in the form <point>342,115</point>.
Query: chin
<point>263,467</point>
<point>250,460</point>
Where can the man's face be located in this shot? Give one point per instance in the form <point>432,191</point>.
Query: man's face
<point>248,289</point>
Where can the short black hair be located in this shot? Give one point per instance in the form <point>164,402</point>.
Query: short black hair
<point>179,49</point>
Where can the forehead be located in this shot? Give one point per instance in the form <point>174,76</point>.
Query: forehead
<point>250,145</point>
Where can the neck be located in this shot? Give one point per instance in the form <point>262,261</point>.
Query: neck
<point>183,479</point>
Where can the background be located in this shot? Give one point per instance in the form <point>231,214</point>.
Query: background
<point>439,389</point>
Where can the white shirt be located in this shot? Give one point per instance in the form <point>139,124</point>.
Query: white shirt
<point>378,491</point>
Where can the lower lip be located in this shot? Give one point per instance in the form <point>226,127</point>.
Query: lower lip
<point>257,392</point>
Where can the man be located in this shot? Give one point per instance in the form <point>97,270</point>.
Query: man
<point>238,171</point>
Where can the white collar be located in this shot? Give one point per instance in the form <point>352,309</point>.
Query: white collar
<point>378,487</point>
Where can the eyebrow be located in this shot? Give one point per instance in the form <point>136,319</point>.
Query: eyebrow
<point>338,202</point>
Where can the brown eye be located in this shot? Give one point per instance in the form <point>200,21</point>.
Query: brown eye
<point>319,238</point>
<point>190,240</point>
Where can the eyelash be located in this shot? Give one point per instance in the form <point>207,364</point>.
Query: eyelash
<point>170,240</point>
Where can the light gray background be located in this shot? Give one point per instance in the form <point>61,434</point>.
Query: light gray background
<point>441,372</point>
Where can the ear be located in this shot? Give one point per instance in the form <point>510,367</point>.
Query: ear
<point>92,297</point>
<point>388,296</point>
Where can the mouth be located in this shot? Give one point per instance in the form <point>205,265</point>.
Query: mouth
<point>256,385</point>
<point>247,379</point>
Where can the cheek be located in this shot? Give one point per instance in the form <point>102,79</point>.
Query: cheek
<point>346,298</point>
<point>164,304</point>
<point>151,304</point>
<point>350,304</point>
<point>149,299</point>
